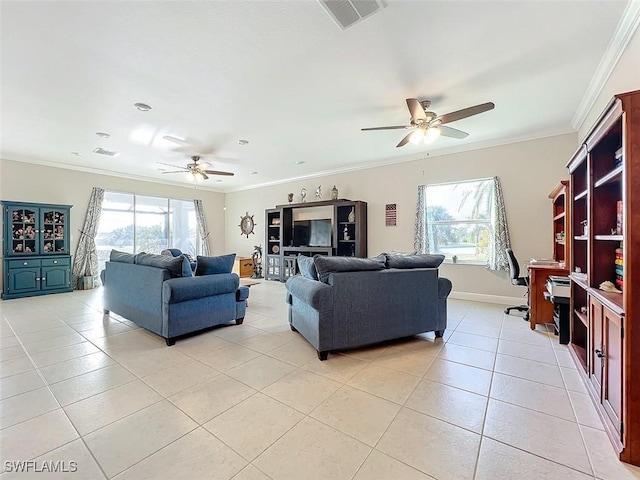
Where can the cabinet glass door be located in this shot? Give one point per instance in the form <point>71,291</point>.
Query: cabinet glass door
<point>23,231</point>
<point>53,233</point>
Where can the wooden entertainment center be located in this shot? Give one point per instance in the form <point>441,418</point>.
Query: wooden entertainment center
<point>348,235</point>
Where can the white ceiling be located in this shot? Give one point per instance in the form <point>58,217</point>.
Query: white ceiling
<point>284,76</point>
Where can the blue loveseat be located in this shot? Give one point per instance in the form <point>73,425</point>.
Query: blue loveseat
<point>160,293</point>
<point>340,303</point>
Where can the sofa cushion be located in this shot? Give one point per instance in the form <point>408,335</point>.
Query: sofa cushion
<point>307,268</point>
<point>413,261</point>
<point>122,257</point>
<point>177,266</point>
<point>327,265</point>
<point>213,265</point>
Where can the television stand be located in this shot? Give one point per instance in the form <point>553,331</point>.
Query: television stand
<point>307,250</point>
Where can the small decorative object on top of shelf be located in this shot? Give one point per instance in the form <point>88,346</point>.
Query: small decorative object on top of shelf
<point>246,224</point>
<point>290,197</point>
<point>303,195</point>
<point>319,192</point>
<point>345,233</point>
<point>352,215</point>
<point>334,193</point>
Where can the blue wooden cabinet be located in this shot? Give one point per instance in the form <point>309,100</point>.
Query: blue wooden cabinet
<point>36,247</point>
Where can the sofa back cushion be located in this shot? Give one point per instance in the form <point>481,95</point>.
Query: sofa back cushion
<point>413,261</point>
<point>327,265</point>
<point>214,265</point>
<point>177,266</point>
<point>307,268</point>
<point>121,257</point>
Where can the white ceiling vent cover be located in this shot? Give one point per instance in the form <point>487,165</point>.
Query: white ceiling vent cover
<point>347,13</point>
<point>108,153</point>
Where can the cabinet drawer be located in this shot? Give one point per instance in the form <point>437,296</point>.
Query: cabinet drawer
<point>50,262</point>
<point>26,263</point>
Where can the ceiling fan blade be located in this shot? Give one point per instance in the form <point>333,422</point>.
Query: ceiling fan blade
<point>204,175</point>
<point>415,107</point>
<point>176,171</point>
<point>216,172</point>
<point>452,132</point>
<point>396,127</point>
<point>405,140</point>
<point>174,166</point>
<point>465,112</point>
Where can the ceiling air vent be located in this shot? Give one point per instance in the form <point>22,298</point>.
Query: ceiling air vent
<point>108,153</point>
<point>349,12</point>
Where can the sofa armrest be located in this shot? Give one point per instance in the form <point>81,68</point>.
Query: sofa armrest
<point>312,292</point>
<point>182,289</point>
<point>242,293</point>
<point>444,287</point>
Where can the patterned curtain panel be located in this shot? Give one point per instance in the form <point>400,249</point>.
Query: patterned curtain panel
<point>420,236</point>
<point>202,228</point>
<point>500,239</point>
<point>85,262</point>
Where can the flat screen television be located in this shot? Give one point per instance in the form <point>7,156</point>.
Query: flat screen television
<point>312,233</point>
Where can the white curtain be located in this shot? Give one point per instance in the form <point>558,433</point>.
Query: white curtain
<point>85,262</point>
<point>203,233</point>
<point>421,235</point>
<point>499,231</point>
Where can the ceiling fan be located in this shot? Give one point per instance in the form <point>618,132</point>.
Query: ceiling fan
<point>197,170</point>
<point>427,126</point>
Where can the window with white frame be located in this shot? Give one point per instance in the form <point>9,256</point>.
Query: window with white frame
<point>459,220</point>
<point>135,223</point>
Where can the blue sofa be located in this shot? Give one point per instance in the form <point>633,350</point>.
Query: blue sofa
<point>160,294</point>
<point>356,302</point>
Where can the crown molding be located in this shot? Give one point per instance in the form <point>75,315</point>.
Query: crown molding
<point>622,36</point>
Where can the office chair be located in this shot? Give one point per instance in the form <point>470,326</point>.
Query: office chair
<point>516,279</point>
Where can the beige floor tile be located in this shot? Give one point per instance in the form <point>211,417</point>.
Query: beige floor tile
<point>529,370</point>
<point>414,363</point>
<point>11,353</point>
<point>500,461</point>
<point>76,366</point>
<point>533,395</point>
<point>261,371</point>
<point>474,341</point>
<point>25,406</point>
<point>530,352</point>
<point>564,358</point>
<point>264,342</point>
<point>15,366</point>
<point>20,383</point>
<point>318,450</point>
<point>487,319</point>
<point>254,424</point>
<point>467,355</point>
<point>31,325</point>
<point>112,328</point>
<point>572,380</point>
<point>172,380</point>
<point>237,333</point>
<point>102,322</point>
<point>54,343</point>
<point>228,357</point>
<point>379,466</point>
<point>92,383</point>
<point>358,414</point>
<point>450,404</point>
<point>528,336</point>
<point>457,375</point>
<point>53,430</point>
<point>250,473</point>
<point>585,410</point>
<point>84,467</point>
<point>29,338</point>
<point>149,362</point>
<point>389,384</point>
<point>338,367</point>
<point>204,401</point>
<point>63,354</point>
<point>296,353</point>
<point>424,343</point>
<point>367,354</point>
<point>95,412</point>
<point>121,444</point>
<point>302,390</point>
<point>417,440</point>
<point>478,329</point>
<point>604,460</point>
<point>202,344</point>
<point>8,341</point>
<point>138,339</point>
<point>537,433</point>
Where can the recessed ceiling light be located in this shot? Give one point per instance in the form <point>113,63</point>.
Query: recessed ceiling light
<point>218,180</point>
<point>243,142</point>
<point>300,162</point>
<point>108,153</point>
<point>254,173</point>
<point>103,134</point>
<point>143,107</point>
<point>77,154</point>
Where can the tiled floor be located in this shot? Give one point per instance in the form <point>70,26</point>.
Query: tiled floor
<point>492,401</point>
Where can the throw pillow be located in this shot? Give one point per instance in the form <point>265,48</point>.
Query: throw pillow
<point>327,265</point>
<point>214,265</point>
<point>307,268</point>
<point>413,261</point>
<point>175,265</point>
<point>122,257</point>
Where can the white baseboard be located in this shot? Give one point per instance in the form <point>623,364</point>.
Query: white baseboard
<point>481,297</point>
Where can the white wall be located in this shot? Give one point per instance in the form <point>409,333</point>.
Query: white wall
<point>528,172</point>
<point>36,183</point>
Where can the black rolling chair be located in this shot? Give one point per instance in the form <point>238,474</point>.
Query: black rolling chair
<point>516,279</point>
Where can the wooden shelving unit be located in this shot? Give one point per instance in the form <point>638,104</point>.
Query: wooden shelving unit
<point>560,210</point>
<point>605,172</point>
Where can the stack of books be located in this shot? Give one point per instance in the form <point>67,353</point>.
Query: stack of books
<point>619,268</point>
<point>618,157</point>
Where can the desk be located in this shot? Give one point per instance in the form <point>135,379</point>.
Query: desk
<point>541,310</point>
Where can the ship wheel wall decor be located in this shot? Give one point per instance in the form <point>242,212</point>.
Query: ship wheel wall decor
<point>246,224</point>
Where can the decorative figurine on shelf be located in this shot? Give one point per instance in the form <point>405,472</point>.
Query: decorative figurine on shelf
<point>29,232</point>
<point>319,192</point>
<point>48,218</point>
<point>59,231</point>
<point>334,193</point>
<point>16,216</point>
<point>56,217</point>
<point>352,215</point>
<point>48,247</point>
<point>19,234</point>
<point>257,261</point>
<point>18,248</point>
<point>290,197</point>
<point>61,218</point>
<point>28,250</point>
<point>303,195</point>
<point>31,218</point>
<point>345,233</point>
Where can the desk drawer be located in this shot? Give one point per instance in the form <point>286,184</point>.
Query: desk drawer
<point>50,262</point>
<point>26,263</point>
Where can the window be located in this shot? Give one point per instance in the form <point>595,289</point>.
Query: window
<point>135,223</point>
<point>459,222</point>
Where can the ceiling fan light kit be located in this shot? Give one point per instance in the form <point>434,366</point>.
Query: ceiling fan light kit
<point>196,171</point>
